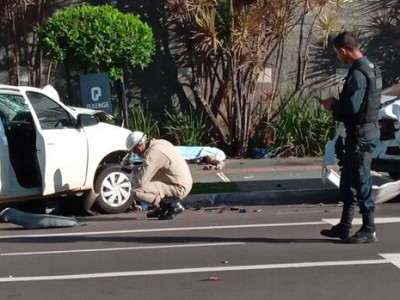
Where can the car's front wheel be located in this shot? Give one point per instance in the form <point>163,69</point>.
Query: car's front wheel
<point>114,189</point>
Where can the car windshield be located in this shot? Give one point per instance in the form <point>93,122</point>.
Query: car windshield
<point>13,107</point>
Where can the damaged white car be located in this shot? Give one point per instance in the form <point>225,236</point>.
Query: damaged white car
<point>49,149</point>
<point>386,155</point>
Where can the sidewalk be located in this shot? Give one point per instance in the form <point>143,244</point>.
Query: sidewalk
<point>262,182</point>
<point>286,181</point>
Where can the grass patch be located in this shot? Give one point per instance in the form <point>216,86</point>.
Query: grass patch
<point>214,187</point>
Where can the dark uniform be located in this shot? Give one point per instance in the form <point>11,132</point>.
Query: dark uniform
<point>357,108</point>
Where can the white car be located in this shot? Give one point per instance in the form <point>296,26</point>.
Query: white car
<point>49,149</point>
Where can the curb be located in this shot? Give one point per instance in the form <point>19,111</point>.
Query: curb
<point>271,197</point>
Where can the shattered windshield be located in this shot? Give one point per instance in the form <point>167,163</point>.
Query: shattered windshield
<point>13,107</point>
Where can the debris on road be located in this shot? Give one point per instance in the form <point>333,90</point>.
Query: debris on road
<point>213,278</point>
<point>34,221</point>
<point>222,210</point>
<point>225,262</point>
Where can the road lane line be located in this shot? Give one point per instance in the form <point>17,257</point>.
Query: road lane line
<point>121,249</point>
<point>393,258</point>
<point>358,221</point>
<point>196,270</point>
<point>223,177</point>
<point>69,234</point>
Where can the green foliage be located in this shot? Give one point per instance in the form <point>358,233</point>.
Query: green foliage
<point>224,21</point>
<point>190,128</point>
<point>143,121</point>
<point>97,39</point>
<point>302,129</point>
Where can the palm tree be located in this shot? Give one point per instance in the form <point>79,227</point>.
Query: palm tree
<point>229,45</point>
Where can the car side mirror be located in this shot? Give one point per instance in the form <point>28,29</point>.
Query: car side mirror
<point>85,120</point>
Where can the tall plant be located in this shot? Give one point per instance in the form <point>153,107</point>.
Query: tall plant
<point>141,120</point>
<point>302,129</point>
<point>189,128</point>
<point>229,45</point>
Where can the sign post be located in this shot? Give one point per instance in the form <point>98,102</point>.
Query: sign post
<point>96,91</point>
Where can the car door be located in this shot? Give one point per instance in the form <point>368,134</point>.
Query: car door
<point>62,148</point>
<point>3,151</point>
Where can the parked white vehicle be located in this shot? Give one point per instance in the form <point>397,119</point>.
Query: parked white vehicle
<point>49,149</point>
<point>386,155</point>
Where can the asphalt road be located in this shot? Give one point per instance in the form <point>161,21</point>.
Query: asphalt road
<point>275,253</point>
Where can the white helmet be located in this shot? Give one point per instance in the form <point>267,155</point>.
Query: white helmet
<point>134,139</point>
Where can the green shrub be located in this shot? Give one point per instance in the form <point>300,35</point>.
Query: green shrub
<point>189,127</point>
<point>302,129</point>
<point>143,121</point>
<point>97,39</point>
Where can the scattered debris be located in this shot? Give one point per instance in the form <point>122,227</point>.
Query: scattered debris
<point>144,206</point>
<point>211,209</point>
<point>137,208</point>
<point>33,221</point>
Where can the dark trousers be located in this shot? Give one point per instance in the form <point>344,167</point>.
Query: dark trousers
<point>355,179</point>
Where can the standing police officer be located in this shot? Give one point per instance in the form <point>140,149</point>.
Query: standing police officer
<point>357,107</point>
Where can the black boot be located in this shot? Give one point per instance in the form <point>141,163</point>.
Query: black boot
<point>343,229</point>
<point>338,231</point>
<point>175,208</point>
<point>158,211</point>
<point>367,232</point>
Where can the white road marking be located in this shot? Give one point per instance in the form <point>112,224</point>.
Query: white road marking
<point>223,177</point>
<point>196,270</point>
<point>393,258</point>
<point>121,249</point>
<point>159,230</point>
<point>358,221</point>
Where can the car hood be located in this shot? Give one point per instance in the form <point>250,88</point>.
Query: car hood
<point>102,115</point>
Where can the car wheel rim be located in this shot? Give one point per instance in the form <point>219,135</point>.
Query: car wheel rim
<point>116,189</point>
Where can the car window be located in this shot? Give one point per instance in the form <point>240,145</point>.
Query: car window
<point>51,115</point>
<point>13,109</point>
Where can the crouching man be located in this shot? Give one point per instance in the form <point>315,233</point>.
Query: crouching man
<point>163,179</point>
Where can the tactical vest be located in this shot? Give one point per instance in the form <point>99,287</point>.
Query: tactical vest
<point>371,104</point>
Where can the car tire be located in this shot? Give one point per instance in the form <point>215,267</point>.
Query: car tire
<point>114,188</point>
<point>394,175</point>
